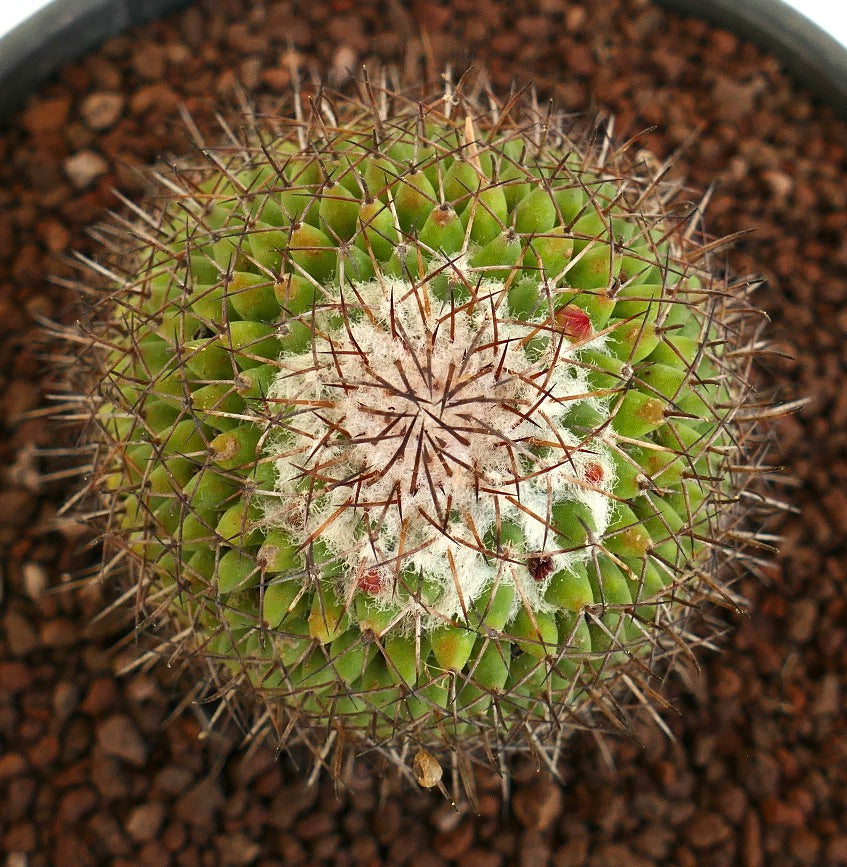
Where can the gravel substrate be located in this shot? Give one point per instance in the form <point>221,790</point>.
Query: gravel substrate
<point>97,769</point>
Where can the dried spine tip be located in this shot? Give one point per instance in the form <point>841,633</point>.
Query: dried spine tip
<point>420,425</point>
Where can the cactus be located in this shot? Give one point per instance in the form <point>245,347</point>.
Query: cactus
<point>421,423</point>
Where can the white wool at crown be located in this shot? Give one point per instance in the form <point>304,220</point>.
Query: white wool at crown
<point>401,324</point>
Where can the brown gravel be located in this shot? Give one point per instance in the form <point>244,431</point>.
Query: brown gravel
<point>94,769</point>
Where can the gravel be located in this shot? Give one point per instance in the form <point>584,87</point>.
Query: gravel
<point>100,769</point>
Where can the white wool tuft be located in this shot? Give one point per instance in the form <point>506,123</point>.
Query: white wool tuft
<point>418,420</point>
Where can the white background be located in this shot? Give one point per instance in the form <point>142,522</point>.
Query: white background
<point>831,15</point>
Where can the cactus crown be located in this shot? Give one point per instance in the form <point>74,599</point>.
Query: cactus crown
<point>420,421</point>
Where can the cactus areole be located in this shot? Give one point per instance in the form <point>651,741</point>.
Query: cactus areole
<point>419,423</point>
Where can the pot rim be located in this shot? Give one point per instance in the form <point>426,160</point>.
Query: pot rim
<point>812,56</point>
<point>60,32</point>
<point>64,30</point>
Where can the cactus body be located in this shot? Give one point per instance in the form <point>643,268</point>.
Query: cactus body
<point>419,423</point>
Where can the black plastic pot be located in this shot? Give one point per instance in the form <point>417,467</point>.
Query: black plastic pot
<point>63,31</point>
<point>811,55</point>
<point>66,29</point>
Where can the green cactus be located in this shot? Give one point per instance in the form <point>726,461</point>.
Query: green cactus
<point>421,422</point>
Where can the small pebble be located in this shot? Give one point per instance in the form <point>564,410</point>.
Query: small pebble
<point>47,115</point>
<point>35,580</point>
<point>706,830</point>
<point>144,821</point>
<point>83,168</point>
<point>19,633</point>
<point>102,110</point>
<point>538,804</point>
<point>119,737</point>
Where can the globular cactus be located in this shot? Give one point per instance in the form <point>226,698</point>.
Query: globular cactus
<point>420,423</point>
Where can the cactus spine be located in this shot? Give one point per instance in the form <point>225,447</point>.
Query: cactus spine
<point>420,422</point>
